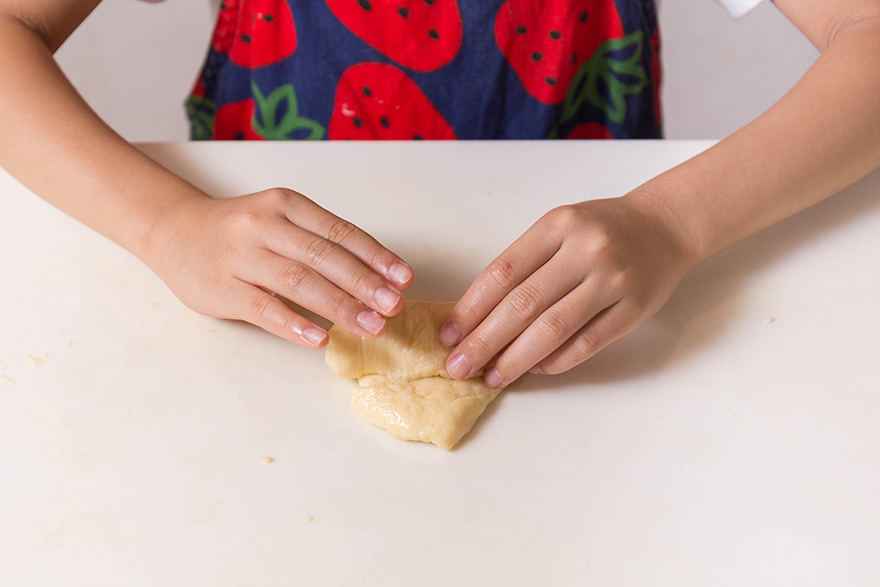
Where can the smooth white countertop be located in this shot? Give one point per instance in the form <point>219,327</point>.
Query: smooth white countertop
<point>732,440</point>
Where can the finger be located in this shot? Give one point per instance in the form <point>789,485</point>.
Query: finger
<point>262,309</point>
<point>552,329</point>
<point>513,315</point>
<point>607,327</point>
<point>307,288</point>
<point>305,213</point>
<point>529,252</point>
<point>334,263</point>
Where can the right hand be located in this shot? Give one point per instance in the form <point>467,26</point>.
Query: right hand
<point>228,257</point>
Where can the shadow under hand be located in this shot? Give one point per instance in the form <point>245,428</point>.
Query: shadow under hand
<point>717,282</point>
<point>438,281</point>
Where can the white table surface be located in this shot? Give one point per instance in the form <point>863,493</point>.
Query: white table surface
<point>732,440</point>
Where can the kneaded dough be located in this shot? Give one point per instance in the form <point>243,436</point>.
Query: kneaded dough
<point>403,385</point>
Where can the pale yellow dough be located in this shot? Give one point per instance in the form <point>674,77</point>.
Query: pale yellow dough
<point>403,384</point>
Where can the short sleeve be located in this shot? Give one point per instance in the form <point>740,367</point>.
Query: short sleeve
<point>739,8</point>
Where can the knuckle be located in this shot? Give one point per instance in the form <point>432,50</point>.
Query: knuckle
<point>586,344</point>
<point>363,283</point>
<point>246,222</point>
<point>317,250</point>
<point>552,328</point>
<point>277,195</point>
<point>259,308</point>
<point>564,216</point>
<point>525,301</point>
<point>502,271</point>
<point>464,313</point>
<point>340,309</point>
<point>341,231</point>
<point>292,277</point>
<point>602,242</point>
<point>479,345</point>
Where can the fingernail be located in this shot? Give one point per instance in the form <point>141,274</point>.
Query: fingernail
<point>370,321</point>
<point>493,378</point>
<point>449,334</point>
<point>458,366</point>
<point>386,299</point>
<point>313,336</point>
<point>400,273</point>
<point>536,370</point>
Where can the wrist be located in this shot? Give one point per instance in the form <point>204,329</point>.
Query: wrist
<point>167,220</point>
<point>667,207</point>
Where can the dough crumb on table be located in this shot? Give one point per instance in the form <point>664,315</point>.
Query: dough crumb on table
<point>5,379</point>
<point>403,386</point>
<point>266,459</point>
<point>37,362</point>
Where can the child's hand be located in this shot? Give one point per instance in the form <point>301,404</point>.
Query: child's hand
<point>583,276</point>
<point>226,258</point>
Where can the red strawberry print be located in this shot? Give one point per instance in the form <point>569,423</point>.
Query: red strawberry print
<point>547,42</point>
<point>224,31</point>
<point>265,32</point>
<point>379,101</point>
<point>590,130</point>
<point>198,90</point>
<point>234,121</point>
<point>423,35</point>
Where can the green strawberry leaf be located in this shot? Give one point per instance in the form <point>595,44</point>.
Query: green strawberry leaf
<point>614,66</point>
<point>278,130</point>
<point>201,111</point>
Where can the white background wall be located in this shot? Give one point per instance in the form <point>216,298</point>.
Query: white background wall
<point>135,62</point>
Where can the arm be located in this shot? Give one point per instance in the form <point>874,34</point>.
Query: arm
<point>221,257</point>
<point>611,264</point>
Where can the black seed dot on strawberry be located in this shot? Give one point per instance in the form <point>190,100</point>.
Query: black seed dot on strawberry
<point>246,38</point>
<point>429,2</point>
<point>574,58</point>
<point>584,16</point>
<point>555,35</point>
<point>223,6</point>
<point>551,81</point>
<point>239,136</point>
<point>521,29</point>
<point>403,12</point>
<point>367,91</point>
<point>384,122</point>
<point>434,34</point>
<point>268,18</point>
<point>358,122</point>
<point>365,4</point>
<point>418,137</point>
<point>537,56</point>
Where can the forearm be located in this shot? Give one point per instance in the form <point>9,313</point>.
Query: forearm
<point>820,137</point>
<point>56,146</point>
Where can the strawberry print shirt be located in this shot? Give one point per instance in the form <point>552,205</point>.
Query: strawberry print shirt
<point>429,69</point>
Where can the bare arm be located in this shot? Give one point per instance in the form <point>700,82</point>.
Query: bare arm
<point>589,273</point>
<point>57,146</point>
<point>820,137</point>
<point>221,257</point>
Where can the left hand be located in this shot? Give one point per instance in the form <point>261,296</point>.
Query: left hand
<point>583,276</point>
